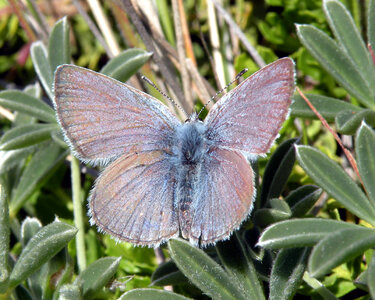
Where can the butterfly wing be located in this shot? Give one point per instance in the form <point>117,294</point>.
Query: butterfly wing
<point>133,199</point>
<point>225,197</point>
<point>249,117</point>
<point>103,118</point>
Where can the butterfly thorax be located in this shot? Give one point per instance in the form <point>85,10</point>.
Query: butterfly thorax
<point>191,142</point>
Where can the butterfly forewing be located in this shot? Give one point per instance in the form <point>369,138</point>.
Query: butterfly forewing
<point>133,199</point>
<point>226,196</point>
<point>103,118</point>
<point>249,117</point>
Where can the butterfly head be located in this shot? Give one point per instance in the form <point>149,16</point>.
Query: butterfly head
<point>193,118</point>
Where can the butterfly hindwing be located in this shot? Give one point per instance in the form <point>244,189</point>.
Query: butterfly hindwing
<point>133,199</point>
<point>225,198</point>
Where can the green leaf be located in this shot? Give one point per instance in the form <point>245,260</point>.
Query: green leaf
<point>167,274</point>
<point>364,147</point>
<point>299,232</point>
<point>11,158</point>
<point>97,275</point>
<point>264,217</point>
<point>339,247</point>
<point>347,122</point>
<point>27,135</point>
<point>335,61</point>
<point>302,199</point>
<point>346,32</point>
<point>280,205</point>
<point>65,277</point>
<point>59,45</point>
<point>279,211</point>
<point>319,287</point>
<point>333,179</point>
<point>29,105</point>
<point>371,24</point>
<point>287,273</point>
<point>22,293</point>
<point>240,267</point>
<point>151,294</point>
<point>42,66</point>
<point>203,271</point>
<point>58,137</point>
<point>34,90</point>
<point>38,282</point>
<point>278,170</point>
<point>41,164</point>
<point>371,277</point>
<point>361,280</point>
<point>41,248</point>
<point>126,64</point>
<point>328,107</point>
<point>70,292</point>
<point>4,240</point>
<point>29,227</point>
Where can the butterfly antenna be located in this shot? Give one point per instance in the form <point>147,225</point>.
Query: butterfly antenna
<point>223,89</point>
<point>163,94</point>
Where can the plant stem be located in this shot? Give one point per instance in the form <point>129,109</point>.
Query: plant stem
<point>319,287</point>
<point>4,240</point>
<point>78,214</point>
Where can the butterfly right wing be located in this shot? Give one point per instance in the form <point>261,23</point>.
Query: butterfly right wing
<point>250,116</point>
<point>133,199</point>
<point>103,118</point>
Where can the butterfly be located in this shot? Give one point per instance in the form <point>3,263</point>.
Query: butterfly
<point>164,178</point>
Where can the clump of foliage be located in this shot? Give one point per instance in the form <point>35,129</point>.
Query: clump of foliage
<point>311,233</point>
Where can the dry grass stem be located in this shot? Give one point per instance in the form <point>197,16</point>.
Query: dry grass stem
<point>104,26</point>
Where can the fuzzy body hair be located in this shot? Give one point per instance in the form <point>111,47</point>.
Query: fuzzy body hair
<point>188,151</point>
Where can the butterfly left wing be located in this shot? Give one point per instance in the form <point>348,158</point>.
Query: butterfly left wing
<point>249,117</point>
<point>133,199</point>
<point>103,118</point>
<point>225,196</point>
